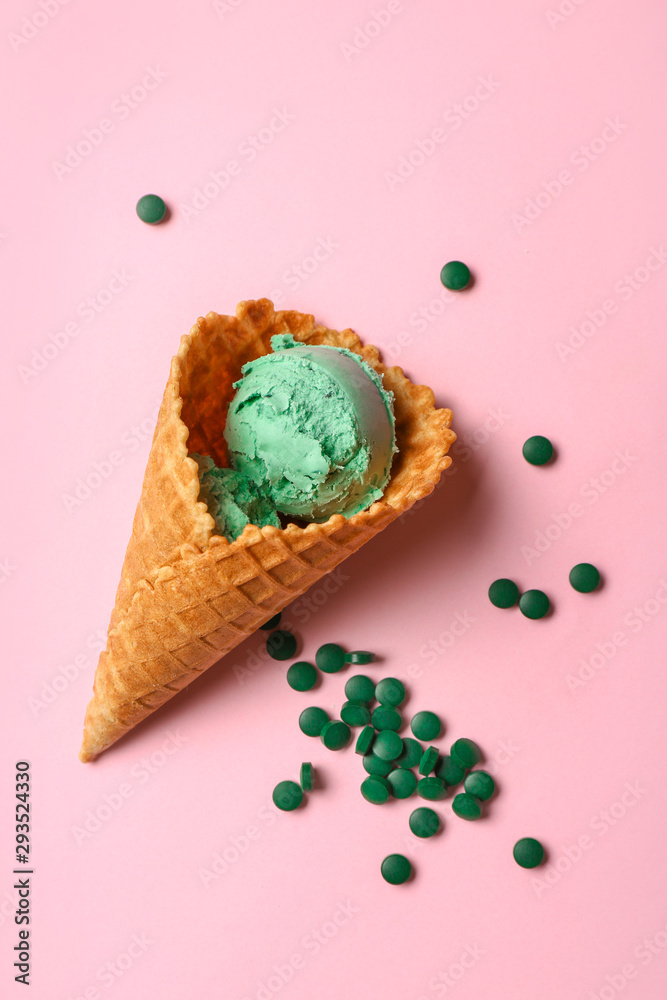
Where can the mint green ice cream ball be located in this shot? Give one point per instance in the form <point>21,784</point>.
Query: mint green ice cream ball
<point>313,428</point>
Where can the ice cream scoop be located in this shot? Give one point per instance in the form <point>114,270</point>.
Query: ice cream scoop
<point>313,428</point>
<point>232,500</point>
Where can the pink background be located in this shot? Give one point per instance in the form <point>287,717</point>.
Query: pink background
<point>569,710</point>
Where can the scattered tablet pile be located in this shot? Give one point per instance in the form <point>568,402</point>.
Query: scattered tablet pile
<point>396,767</point>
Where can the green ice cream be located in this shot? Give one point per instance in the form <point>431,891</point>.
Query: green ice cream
<point>313,428</point>
<point>232,500</point>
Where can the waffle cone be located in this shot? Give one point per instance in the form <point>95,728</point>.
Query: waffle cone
<point>186,595</point>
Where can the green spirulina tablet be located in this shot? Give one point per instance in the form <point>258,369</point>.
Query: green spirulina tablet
<point>388,745</point>
<point>412,753</point>
<point>365,740</point>
<point>281,645</point>
<point>403,782</point>
<point>312,721</point>
<point>390,691</point>
<point>584,577</point>
<point>355,713</point>
<point>335,735</point>
<point>302,676</point>
<point>359,656</point>
<point>287,795</point>
<point>385,717</point>
<point>466,806</point>
<point>528,852</point>
<point>360,688</point>
<point>534,604</point>
<point>450,771</point>
<point>306,776</point>
<point>376,789</point>
<point>272,622</point>
<point>431,788</point>
<point>330,658</point>
<point>480,784</point>
<point>151,209</point>
<point>426,726</point>
<point>538,450</point>
<point>375,765</point>
<point>428,760</point>
<point>424,822</point>
<point>466,753</point>
<point>396,869</point>
<point>455,275</point>
<point>503,593</point>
